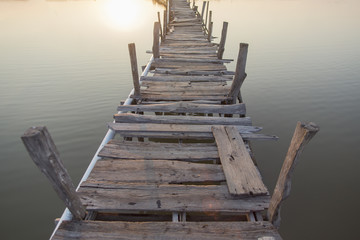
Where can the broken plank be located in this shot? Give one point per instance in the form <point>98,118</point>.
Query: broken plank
<point>242,177</point>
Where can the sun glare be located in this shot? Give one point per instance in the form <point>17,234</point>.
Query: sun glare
<point>122,14</point>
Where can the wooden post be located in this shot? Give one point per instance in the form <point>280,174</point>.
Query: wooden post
<point>161,33</point>
<point>240,74</point>
<point>222,41</point>
<point>193,4</point>
<point>134,69</point>
<point>202,11</point>
<point>45,155</point>
<point>210,26</point>
<point>210,32</point>
<point>207,13</point>
<point>156,50</point>
<point>165,26</point>
<point>302,135</point>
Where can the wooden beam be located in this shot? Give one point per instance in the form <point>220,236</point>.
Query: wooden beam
<point>45,155</point>
<point>223,40</point>
<point>156,51</point>
<point>202,11</point>
<point>302,135</point>
<point>240,74</point>
<point>207,13</point>
<point>159,20</point>
<point>242,177</point>
<point>134,69</point>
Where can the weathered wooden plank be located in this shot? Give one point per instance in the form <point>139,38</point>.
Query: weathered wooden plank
<point>155,151</point>
<point>45,155</point>
<point>173,78</point>
<point>155,171</point>
<point>169,97</point>
<point>195,120</point>
<point>187,91</point>
<point>88,230</point>
<point>117,197</point>
<point>242,176</point>
<point>215,61</point>
<point>302,135</point>
<point>186,107</point>
<point>156,40</point>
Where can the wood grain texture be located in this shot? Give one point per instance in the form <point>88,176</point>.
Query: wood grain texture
<point>194,120</point>
<point>155,171</point>
<point>45,155</point>
<point>134,69</point>
<point>240,74</point>
<point>302,135</point>
<point>186,107</point>
<point>242,177</point>
<point>118,197</point>
<point>166,230</point>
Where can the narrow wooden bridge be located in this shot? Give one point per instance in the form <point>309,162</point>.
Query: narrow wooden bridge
<point>179,164</point>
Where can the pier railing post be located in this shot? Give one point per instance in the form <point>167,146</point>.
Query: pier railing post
<point>156,42</point>
<point>302,135</point>
<point>240,74</point>
<point>210,26</point>
<point>207,13</point>
<point>45,155</point>
<point>159,20</point>
<point>221,48</point>
<point>134,69</point>
<point>165,26</point>
<point>202,11</point>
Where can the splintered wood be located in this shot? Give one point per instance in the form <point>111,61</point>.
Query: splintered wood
<point>242,176</point>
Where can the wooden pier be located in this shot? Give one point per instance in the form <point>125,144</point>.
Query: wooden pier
<point>180,165</point>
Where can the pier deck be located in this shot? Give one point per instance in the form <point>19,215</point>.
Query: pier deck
<point>180,165</point>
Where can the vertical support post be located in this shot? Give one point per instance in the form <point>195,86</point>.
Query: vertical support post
<point>156,50</point>
<point>45,155</point>
<point>207,13</point>
<point>210,26</point>
<point>302,135</point>
<point>134,69</point>
<point>202,11</point>
<point>193,4</point>
<point>165,26</point>
<point>222,41</point>
<point>210,31</point>
<point>167,12</point>
<point>159,20</point>
<point>240,74</point>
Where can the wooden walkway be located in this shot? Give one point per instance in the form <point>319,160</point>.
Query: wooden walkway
<point>180,165</point>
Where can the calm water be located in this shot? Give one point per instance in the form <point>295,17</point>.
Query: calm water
<point>64,64</point>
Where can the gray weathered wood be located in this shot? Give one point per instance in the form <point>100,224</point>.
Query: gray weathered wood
<point>240,74</point>
<point>134,69</point>
<point>91,230</point>
<point>186,107</point>
<point>202,11</point>
<point>242,177</point>
<point>165,26</point>
<point>135,118</point>
<point>45,155</point>
<point>119,197</point>
<point>156,42</point>
<point>302,135</point>
<point>207,13</point>
<point>155,171</point>
<point>159,20</point>
<point>222,41</point>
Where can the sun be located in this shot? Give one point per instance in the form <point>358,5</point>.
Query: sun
<point>122,14</point>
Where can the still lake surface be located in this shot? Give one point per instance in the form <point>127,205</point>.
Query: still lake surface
<point>65,64</point>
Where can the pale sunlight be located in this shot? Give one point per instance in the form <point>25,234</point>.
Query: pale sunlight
<point>122,14</point>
